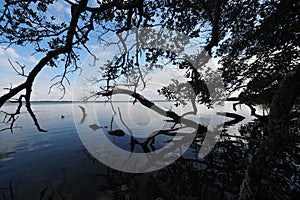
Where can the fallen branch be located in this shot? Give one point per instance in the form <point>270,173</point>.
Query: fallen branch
<point>236,118</point>
<point>149,104</point>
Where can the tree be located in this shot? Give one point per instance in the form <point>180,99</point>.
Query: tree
<point>31,23</point>
<point>257,43</point>
<point>27,22</point>
<point>261,57</point>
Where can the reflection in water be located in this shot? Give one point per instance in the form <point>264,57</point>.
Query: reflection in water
<point>84,114</point>
<point>61,168</point>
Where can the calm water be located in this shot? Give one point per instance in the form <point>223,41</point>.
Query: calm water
<point>56,164</point>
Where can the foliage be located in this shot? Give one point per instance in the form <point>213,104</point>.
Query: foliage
<point>262,47</point>
<point>257,43</point>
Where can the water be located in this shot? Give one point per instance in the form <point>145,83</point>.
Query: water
<point>56,164</point>
<point>58,158</point>
<point>44,159</point>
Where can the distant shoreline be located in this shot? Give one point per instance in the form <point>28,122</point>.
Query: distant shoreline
<point>86,101</point>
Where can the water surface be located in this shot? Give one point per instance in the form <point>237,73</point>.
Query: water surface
<point>56,164</point>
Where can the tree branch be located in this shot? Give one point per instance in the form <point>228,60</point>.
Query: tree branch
<point>236,118</point>
<point>67,48</point>
<point>215,26</point>
<point>144,101</point>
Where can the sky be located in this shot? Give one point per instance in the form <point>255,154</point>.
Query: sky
<point>78,88</point>
<point>25,56</point>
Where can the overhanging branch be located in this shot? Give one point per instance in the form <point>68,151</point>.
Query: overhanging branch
<point>67,48</point>
<point>149,104</point>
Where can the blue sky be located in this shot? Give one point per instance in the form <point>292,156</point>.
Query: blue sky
<point>25,55</point>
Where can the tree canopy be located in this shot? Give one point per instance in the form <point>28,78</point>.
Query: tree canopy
<point>256,43</point>
<point>242,34</point>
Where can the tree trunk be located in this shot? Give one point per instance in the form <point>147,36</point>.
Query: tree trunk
<point>278,134</point>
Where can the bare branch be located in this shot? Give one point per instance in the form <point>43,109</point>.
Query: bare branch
<point>67,48</point>
<point>12,117</point>
<point>144,101</point>
<point>22,73</point>
<point>253,113</point>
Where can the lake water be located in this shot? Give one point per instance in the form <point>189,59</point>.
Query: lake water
<point>57,165</point>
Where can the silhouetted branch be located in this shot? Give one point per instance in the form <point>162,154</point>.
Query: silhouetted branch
<point>215,20</point>
<point>30,111</point>
<point>252,108</point>
<point>21,73</point>
<point>253,113</point>
<point>236,118</point>
<point>144,101</point>
<point>66,49</point>
<point>12,117</point>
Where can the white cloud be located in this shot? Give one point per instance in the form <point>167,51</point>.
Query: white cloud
<point>9,77</point>
<point>32,59</point>
<point>8,52</point>
<point>43,83</point>
<point>62,7</point>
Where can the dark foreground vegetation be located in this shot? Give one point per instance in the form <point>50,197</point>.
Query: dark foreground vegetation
<point>256,43</point>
